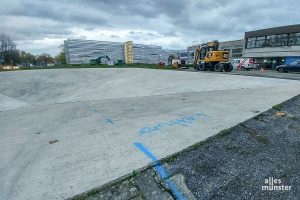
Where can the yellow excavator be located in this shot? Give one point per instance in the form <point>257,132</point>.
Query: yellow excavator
<point>208,57</point>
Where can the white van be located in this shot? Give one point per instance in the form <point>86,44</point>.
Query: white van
<point>243,63</point>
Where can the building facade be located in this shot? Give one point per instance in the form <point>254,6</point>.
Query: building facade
<point>148,54</point>
<point>191,51</point>
<point>166,53</point>
<point>80,51</point>
<point>273,46</point>
<point>187,56</point>
<point>234,47</point>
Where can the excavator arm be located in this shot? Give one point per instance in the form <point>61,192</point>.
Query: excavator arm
<point>98,60</point>
<point>196,56</point>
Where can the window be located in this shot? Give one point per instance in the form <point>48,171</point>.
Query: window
<point>250,43</point>
<point>260,42</point>
<point>294,39</point>
<point>271,41</point>
<point>225,47</point>
<point>183,54</point>
<point>225,55</point>
<point>202,54</point>
<point>238,50</point>
<point>282,40</point>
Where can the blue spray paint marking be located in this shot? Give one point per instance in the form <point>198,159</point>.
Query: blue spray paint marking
<point>184,121</point>
<point>160,169</point>
<point>109,121</point>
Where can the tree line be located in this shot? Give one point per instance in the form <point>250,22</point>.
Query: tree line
<point>10,55</point>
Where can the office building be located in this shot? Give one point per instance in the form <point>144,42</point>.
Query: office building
<point>273,46</point>
<point>80,51</point>
<point>235,48</point>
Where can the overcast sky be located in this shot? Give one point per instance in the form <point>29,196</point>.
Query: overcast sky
<point>39,26</point>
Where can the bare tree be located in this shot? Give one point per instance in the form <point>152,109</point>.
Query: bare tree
<point>8,54</point>
<point>7,44</point>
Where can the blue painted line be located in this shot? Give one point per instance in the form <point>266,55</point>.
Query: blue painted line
<point>160,169</point>
<point>109,121</point>
<point>174,189</point>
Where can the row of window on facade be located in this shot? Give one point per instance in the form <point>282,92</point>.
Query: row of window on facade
<point>186,54</point>
<point>292,39</point>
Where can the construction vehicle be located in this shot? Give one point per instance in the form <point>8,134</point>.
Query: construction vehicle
<point>97,61</point>
<point>243,63</point>
<point>176,62</point>
<point>208,57</point>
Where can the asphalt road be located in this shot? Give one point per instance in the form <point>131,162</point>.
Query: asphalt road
<point>64,132</point>
<point>258,73</point>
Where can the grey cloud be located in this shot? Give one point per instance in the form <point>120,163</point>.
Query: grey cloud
<point>187,20</point>
<point>32,29</point>
<point>57,11</point>
<point>139,35</point>
<point>152,34</point>
<point>170,33</point>
<point>135,33</point>
<point>144,8</point>
<point>114,36</point>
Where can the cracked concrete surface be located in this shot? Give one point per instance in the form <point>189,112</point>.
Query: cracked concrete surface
<point>231,165</point>
<point>74,106</point>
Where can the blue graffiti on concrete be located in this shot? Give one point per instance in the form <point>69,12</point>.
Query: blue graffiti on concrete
<point>183,121</point>
<point>109,121</point>
<point>160,169</point>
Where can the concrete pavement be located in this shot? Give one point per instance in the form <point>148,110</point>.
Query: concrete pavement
<point>97,114</point>
<point>234,164</point>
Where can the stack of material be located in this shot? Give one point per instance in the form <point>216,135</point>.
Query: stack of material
<point>82,51</point>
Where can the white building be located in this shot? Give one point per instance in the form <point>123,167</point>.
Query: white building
<point>80,51</point>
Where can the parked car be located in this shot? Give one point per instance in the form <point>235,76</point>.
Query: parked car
<point>9,67</point>
<point>243,63</point>
<point>292,67</point>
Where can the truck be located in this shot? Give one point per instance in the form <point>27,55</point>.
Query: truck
<point>243,63</point>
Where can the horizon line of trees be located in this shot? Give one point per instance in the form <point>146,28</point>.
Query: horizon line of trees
<point>10,55</point>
